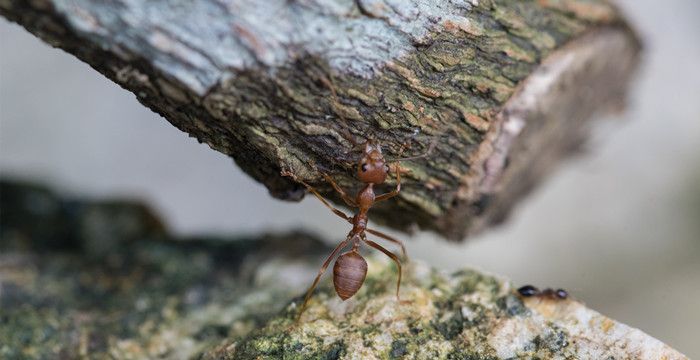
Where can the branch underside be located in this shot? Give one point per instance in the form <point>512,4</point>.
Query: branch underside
<point>504,88</point>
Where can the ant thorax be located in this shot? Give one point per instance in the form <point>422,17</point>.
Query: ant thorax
<point>365,198</point>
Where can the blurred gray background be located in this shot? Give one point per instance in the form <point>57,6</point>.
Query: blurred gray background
<point>618,226</point>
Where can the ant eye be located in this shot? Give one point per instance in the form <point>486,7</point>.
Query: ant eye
<point>364,167</point>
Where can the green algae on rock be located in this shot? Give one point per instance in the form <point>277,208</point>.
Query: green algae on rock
<point>157,299</point>
<point>465,315</point>
<point>153,295</point>
<point>104,279</point>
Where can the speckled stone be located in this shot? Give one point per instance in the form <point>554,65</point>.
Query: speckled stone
<point>464,315</point>
<point>73,285</point>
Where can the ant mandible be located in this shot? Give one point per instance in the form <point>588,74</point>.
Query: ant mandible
<point>350,268</point>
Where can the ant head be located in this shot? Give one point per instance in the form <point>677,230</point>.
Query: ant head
<point>561,294</point>
<point>372,168</point>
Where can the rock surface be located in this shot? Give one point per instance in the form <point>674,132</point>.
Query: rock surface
<point>104,279</point>
<point>130,290</point>
<point>465,315</point>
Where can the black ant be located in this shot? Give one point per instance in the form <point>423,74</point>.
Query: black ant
<point>548,293</point>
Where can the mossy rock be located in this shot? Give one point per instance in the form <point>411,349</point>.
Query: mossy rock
<point>73,285</point>
<point>464,315</point>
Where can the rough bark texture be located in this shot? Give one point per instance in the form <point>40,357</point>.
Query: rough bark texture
<point>503,87</point>
<point>93,279</point>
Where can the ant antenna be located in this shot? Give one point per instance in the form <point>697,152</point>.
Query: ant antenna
<point>431,147</point>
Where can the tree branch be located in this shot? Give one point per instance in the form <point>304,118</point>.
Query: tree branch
<point>506,87</point>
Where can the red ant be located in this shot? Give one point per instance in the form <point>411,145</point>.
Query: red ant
<point>350,268</point>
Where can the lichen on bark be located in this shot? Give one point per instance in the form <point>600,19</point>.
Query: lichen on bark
<point>404,72</point>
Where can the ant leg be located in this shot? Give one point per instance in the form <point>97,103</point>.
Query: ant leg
<point>348,200</point>
<point>313,191</point>
<point>320,273</point>
<point>389,238</point>
<point>393,257</point>
<point>396,191</point>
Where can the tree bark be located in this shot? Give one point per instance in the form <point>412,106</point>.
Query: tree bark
<point>503,89</point>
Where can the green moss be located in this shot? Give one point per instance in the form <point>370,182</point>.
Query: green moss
<point>555,341</point>
<point>465,355</point>
<point>398,349</point>
<point>144,299</point>
<point>336,351</point>
<point>451,327</point>
<point>472,280</point>
<point>431,338</point>
<point>512,305</point>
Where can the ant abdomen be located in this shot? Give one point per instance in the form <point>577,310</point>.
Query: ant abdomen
<point>349,273</point>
